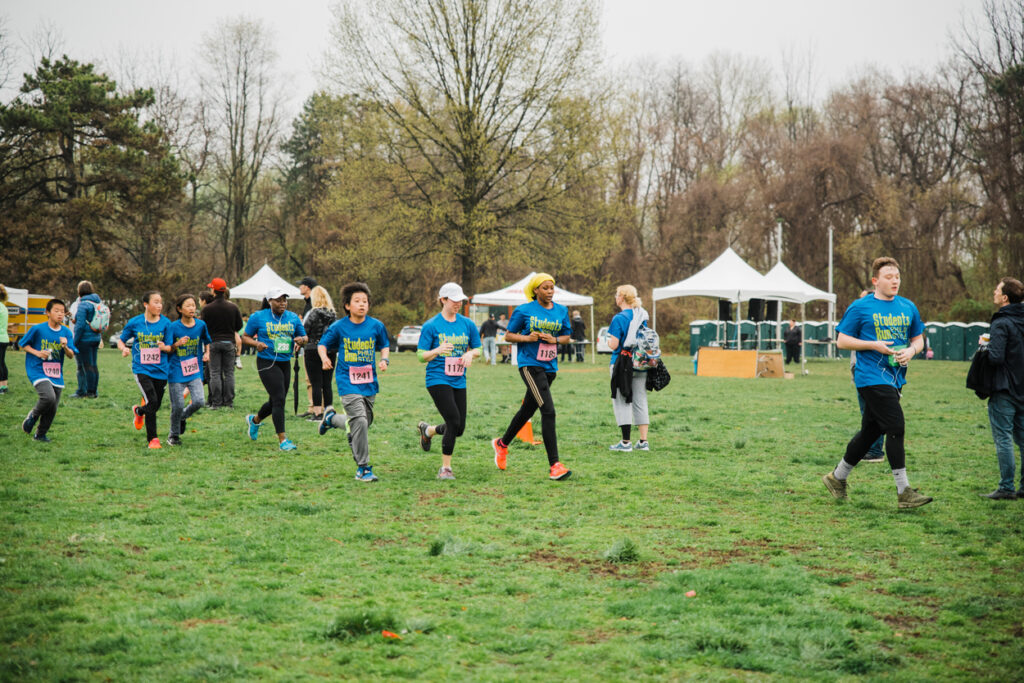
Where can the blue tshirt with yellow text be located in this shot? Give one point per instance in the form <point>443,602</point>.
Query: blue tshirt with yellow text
<point>462,334</point>
<point>42,337</point>
<point>147,336</point>
<point>873,319</point>
<point>185,363</point>
<point>357,346</point>
<point>276,331</point>
<point>531,317</point>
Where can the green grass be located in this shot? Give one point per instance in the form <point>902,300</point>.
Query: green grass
<point>225,559</point>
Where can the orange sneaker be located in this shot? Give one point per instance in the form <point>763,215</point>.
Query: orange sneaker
<point>500,453</point>
<point>155,443</point>
<point>138,419</point>
<point>558,472</point>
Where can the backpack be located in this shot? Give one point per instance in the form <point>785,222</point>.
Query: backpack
<point>647,351</point>
<point>100,317</point>
<point>981,377</point>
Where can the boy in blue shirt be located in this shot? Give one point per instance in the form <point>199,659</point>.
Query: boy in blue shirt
<point>886,332</point>
<point>356,338</point>
<point>45,346</point>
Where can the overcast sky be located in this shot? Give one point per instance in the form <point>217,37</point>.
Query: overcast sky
<point>843,35</point>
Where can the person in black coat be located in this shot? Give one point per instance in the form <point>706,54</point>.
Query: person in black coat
<point>1006,404</point>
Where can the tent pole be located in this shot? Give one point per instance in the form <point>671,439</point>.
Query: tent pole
<point>739,304</point>
<point>654,314</point>
<point>803,339</point>
<point>593,337</point>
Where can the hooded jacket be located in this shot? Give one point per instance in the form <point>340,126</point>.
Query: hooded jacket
<point>86,310</point>
<point>1006,349</point>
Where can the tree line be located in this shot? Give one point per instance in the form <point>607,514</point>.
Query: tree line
<point>475,140</point>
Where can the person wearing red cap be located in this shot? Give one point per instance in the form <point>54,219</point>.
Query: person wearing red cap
<point>224,321</point>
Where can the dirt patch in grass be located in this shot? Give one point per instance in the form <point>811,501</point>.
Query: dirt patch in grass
<point>631,570</point>
<point>194,623</point>
<point>744,550</point>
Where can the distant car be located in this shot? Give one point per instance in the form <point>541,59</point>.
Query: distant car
<point>408,338</point>
<point>117,335</point>
<point>602,341</point>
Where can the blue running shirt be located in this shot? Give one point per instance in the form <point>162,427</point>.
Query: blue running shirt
<point>357,346</point>
<point>531,317</point>
<point>446,368</point>
<point>872,319</point>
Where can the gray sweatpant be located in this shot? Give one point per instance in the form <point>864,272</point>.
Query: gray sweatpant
<point>46,407</point>
<point>179,411</point>
<point>359,414</point>
<point>634,413</point>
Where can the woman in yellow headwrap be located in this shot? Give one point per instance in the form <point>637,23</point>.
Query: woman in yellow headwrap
<point>536,328</point>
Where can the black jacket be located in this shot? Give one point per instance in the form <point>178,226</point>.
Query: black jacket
<point>1006,349</point>
<point>622,376</point>
<point>579,329</point>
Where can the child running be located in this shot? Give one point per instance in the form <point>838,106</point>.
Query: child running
<point>356,338</point>
<point>448,343</point>
<point>189,343</point>
<point>274,331</point>
<point>537,328</point>
<point>149,361</point>
<point>45,346</point>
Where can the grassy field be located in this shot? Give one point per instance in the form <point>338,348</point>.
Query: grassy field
<point>225,559</point>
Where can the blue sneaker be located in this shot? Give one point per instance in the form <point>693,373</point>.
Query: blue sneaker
<point>287,445</point>
<point>325,423</point>
<point>365,474</point>
<point>622,446</point>
<point>29,422</point>
<point>254,427</point>
<point>642,446</point>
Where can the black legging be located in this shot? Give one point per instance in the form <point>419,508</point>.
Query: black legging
<point>3,361</point>
<point>451,403</point>
<point>153,390</point>
<point>319,379</point>
<point>882,415</point>
<point>275,377</point>
<point>538,392</point>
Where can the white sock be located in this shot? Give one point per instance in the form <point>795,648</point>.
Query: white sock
<point>842,470</point>
<point>900,476</point>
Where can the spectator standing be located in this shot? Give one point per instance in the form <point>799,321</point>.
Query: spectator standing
<point>321,316</point>
<point>5,340</point>
<point>488,332</point>
<point>306,286</point>
<point>223,321</point>
<point>87,341</point>
<point>579,334</point>
<point>629,408</point>
<point>1006,404</point>
<point>793,338</point>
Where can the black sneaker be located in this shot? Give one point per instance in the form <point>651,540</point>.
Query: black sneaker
<point>29,422</point>
<point>424,439</point>
<point>41,438</point>
<point>173,441</point>
<point>873,457</point>
<point>1000,494</point>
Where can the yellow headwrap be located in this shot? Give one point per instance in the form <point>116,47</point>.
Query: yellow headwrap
<point>534,283</point>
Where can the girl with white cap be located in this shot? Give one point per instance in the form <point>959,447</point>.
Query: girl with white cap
<point>448,344</point>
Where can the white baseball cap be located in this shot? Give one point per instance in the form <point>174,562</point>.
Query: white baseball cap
<point>452,291</point>
<point>275,293</point>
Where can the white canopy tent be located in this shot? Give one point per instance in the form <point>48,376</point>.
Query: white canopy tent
<point>513,295</point>
<point>798,291</point>
<point>256,287</point>
<point>730,277</point>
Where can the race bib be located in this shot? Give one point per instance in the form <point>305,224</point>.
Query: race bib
<point>282,345</point>
<point>546,352</point>
<point>149,356</point>
<point>360,374</point>
<point>51,369</point>
<point>453,366</point>
<point>189,366</point>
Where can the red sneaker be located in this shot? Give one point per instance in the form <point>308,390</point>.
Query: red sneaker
<point>559,472</point>
<point>155,443</point>
<point>500,453</point>
<point>138,419</point>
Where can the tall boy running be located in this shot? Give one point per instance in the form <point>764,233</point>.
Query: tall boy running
<point>886,332</point>
<point>45,346</point>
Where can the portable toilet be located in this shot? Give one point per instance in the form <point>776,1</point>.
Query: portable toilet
<point>748,334</point>
<point>816,331</point>
<point>769,335</point>
<point>956,334</point>
<point>702,333</point>
<point>971,334</point>
<point>935,334</point>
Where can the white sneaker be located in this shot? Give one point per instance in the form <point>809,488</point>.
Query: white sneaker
<point>238,362</point>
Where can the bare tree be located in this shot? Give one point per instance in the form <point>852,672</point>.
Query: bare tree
<point>242,99</point>
<point>469,88</point>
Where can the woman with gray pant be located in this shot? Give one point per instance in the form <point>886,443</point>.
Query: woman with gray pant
<point>622,335</point>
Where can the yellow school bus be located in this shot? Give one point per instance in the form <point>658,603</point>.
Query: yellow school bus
<point>20,319</point>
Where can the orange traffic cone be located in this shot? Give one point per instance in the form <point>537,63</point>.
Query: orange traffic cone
<point>526,434</point>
